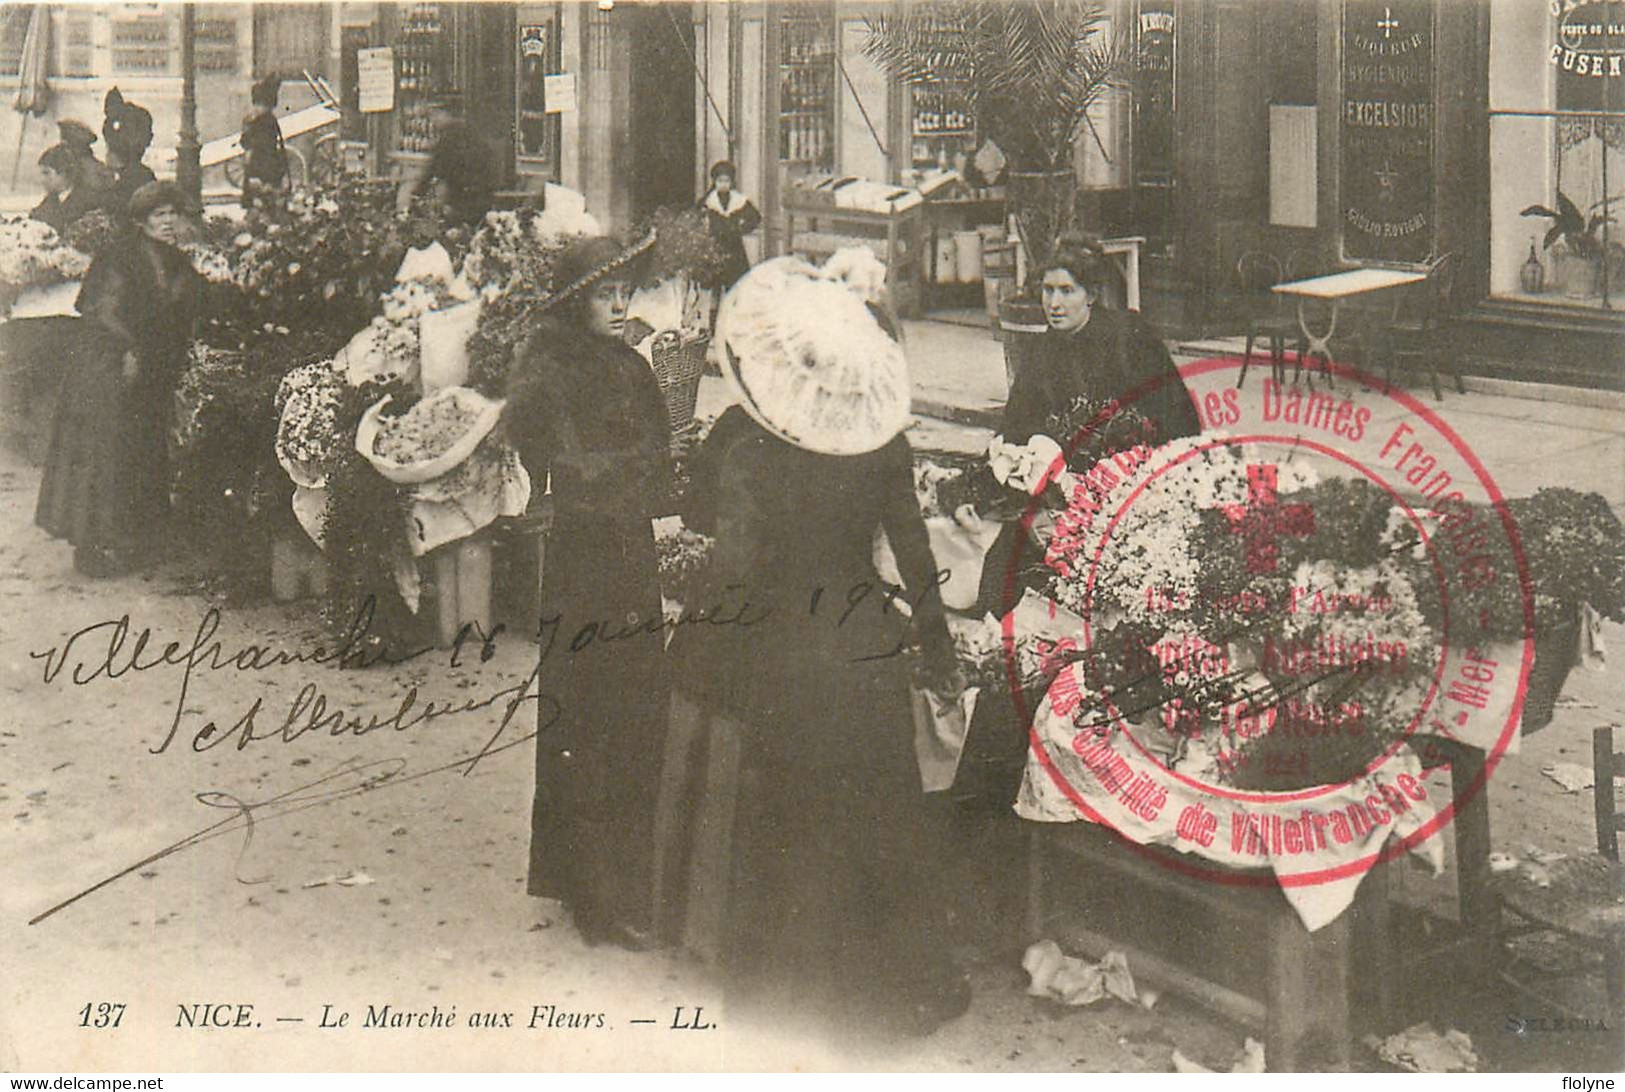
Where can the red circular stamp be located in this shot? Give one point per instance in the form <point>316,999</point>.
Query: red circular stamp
<point>1250,645</point>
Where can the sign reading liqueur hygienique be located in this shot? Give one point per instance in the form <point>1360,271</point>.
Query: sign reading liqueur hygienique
<point>1386,130</point>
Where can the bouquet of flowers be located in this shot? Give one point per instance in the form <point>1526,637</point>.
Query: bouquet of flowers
<point>684,262</point>
<point>684,559</point>
<point>320,263</point>
<point>32,255</point>
<point>307,403</point>
<point>430,438</point>
<point>511,265</point>
<point>93,232</point>
<point>1295,667</point>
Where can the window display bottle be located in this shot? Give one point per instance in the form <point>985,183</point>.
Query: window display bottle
<point>1532,277</point>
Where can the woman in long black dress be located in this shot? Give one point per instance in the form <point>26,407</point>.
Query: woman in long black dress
<point>1089,351</point>
<point>106,482</point>
<point>585,410</point>
<point>827,869</point>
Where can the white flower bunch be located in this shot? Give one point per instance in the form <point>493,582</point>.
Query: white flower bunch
<point>69,263</point>
<point>1150,544</point>
<point>33,255</point>
<point>409,301</point>
<point>209,263</point>
<point>1376,602</point>
<point>1029,466</point>
<point>307,431</point>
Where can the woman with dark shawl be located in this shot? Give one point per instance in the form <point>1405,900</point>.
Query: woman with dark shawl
<point>1090,352</point>
<point>585,411</point>
<point>106,482</point>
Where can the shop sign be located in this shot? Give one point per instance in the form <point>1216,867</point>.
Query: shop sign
<point>1588,52</point>
<point>532,132</point>
<point>1154,91</point>
<point>1386,130</point>
<point>375,79</point>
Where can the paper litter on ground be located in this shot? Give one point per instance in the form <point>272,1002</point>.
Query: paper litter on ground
<point>1420,1049</point>
<point>1571,775</point>
<point>1252,1061</point>
<point>349,879</point>
<point>1074,981</point>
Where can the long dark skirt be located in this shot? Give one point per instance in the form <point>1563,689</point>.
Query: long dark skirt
<point>598,761</point>
<point>106,475</point>
<point>814,890</point>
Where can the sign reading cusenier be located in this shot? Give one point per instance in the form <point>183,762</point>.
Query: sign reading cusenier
<point>1589,54</point>
<point>1386,130</point>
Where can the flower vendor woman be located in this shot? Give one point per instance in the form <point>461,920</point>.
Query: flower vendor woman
<point>106,479</point>
<point>825,857</point>
<point>1089,352</point>
<point>69,192</point>
<point>585,410</point>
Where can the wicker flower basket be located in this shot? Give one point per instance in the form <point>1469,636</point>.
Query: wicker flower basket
<point>679,362</point>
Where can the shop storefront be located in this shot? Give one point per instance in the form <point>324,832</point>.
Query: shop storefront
<point>786,91</point>
<point>1387,132</point>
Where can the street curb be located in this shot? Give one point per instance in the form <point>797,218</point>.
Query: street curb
<point>971,416</point>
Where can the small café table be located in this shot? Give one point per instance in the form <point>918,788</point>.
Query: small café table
<point>1333,289</point>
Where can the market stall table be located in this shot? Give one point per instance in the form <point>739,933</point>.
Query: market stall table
<point>1332,289</point>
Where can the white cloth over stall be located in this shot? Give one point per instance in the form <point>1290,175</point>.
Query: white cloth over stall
<point>1144,797</point>
<point>47,301</point>
<point>439,517</point>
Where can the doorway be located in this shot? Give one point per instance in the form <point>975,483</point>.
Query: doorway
<point>662,168</point>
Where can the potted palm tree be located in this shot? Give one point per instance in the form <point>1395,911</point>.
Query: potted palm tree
<point>1030,71</point>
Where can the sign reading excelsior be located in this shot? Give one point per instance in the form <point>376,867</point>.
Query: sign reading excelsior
<point>1386,130</point>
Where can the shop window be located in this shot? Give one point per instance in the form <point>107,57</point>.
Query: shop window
<point>290,39</point>
<point>13,30</point>
<point>141,46</point>
<point>426,72</point>
<point>1557,153</point>
<point>78,44</point>
<point>216,46</point>
<point>807,90</point>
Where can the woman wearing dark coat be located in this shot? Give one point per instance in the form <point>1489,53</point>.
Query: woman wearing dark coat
<point>1092,352</point>
<point>801,853</point>
<point>106,482</point>
<point>69,190</point>
<point>731,216</point>
<point>127,128</point>
<point>585,410</point>
<point>265,165</point>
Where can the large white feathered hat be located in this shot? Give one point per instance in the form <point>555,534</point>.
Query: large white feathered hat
<point>807,356</point>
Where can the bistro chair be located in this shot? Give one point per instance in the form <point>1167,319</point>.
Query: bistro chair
<point>1415,330</point>
<point>1264,313</point>
<point>1585,896</point>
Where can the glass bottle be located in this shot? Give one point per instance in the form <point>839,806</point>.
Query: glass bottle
<point>1532,277</point>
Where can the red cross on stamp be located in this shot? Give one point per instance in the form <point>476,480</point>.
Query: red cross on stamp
<point>1264,519</point>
